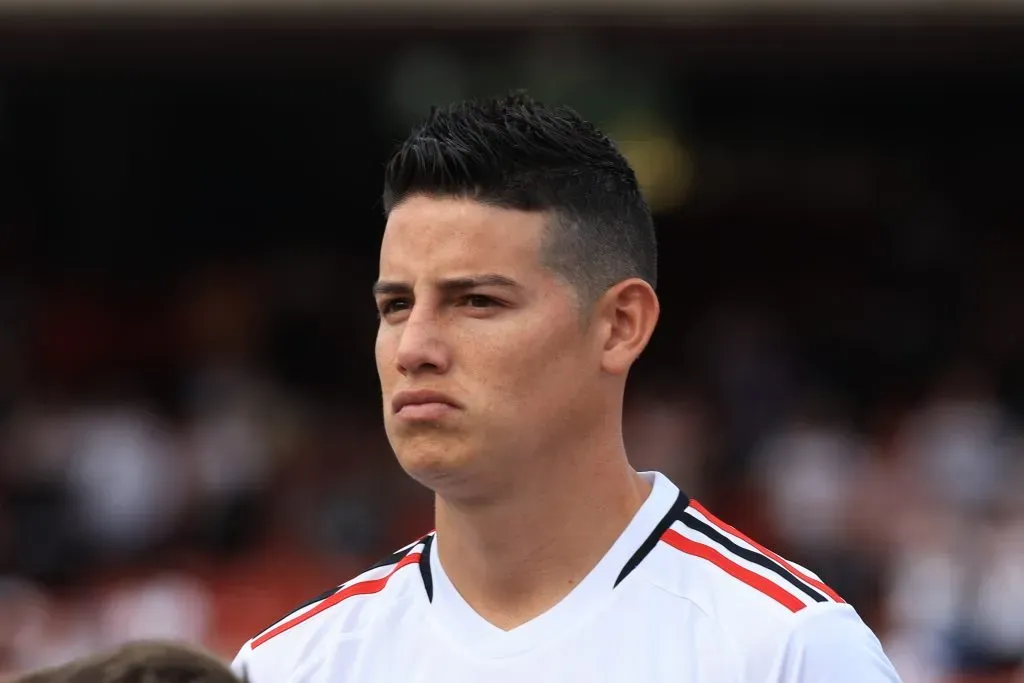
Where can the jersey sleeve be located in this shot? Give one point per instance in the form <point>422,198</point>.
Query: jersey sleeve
<point>831,643</point>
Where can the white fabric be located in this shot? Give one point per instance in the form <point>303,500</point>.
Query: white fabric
<point>677,617</point>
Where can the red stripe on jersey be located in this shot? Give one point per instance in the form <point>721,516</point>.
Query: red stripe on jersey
<point>793,570</point>
<point>752,579</point>
<point>361,588</point>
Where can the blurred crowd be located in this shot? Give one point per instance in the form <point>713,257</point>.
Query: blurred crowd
<point>194,492</point>
<point>190,432</point>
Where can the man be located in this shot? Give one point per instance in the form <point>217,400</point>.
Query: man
<point>138,662</point>
<point>516,289</point>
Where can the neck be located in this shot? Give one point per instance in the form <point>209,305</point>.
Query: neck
<point>515,557</point>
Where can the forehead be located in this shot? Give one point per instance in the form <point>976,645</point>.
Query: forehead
<point>428,236</point>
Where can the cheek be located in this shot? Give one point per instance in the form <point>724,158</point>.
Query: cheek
<point>530,366</point>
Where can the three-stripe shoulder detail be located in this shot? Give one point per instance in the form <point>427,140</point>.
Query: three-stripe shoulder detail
<point>371,581</point>
<point>700,534</point>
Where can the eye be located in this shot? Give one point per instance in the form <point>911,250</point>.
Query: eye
<point>390,306</point>
<point>479,301</point>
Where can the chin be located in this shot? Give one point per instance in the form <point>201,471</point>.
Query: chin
<point>432,459</point>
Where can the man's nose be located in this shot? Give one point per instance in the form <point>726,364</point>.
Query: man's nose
<point>421,347</point>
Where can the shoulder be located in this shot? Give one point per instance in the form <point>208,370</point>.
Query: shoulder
<point>728,574</point>
<point>770,614</point>
<point>829,642</point>
<point>339,613</point>
<point>749,595</point>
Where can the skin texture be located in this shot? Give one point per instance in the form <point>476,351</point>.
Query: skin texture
<point>527,462</point>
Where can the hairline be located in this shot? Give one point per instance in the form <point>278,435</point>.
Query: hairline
<point>555,220</point>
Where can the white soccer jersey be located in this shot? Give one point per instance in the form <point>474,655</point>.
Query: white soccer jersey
<point>680,597</point>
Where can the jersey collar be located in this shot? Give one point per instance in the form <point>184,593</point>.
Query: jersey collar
<point>454,618</point>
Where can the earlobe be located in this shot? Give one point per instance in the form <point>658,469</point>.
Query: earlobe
<point>632,311</point>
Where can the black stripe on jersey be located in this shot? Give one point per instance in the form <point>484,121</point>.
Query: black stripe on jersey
<point>323,596</point>
<point>677,511</point>
<point>393,558</point>
<point>751,556</point>
<point>428,579</point>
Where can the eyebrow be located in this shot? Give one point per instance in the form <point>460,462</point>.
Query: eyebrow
<point>384,287</point>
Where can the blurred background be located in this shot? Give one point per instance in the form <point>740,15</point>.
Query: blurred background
<point>190,438</point>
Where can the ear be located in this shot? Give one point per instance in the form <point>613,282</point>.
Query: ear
<point>629,313</point>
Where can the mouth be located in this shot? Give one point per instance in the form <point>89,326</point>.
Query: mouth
<point>423,405</point>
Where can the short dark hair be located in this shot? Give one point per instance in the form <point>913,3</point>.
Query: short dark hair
<point>139,662</point>
<point>517,153</point>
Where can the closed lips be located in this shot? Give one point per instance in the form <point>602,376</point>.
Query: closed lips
<point>420,397</point>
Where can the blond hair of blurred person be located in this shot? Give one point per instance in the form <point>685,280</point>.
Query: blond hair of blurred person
<point>137,662</point>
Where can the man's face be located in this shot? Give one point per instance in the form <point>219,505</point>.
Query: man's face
<point>481,344</point>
